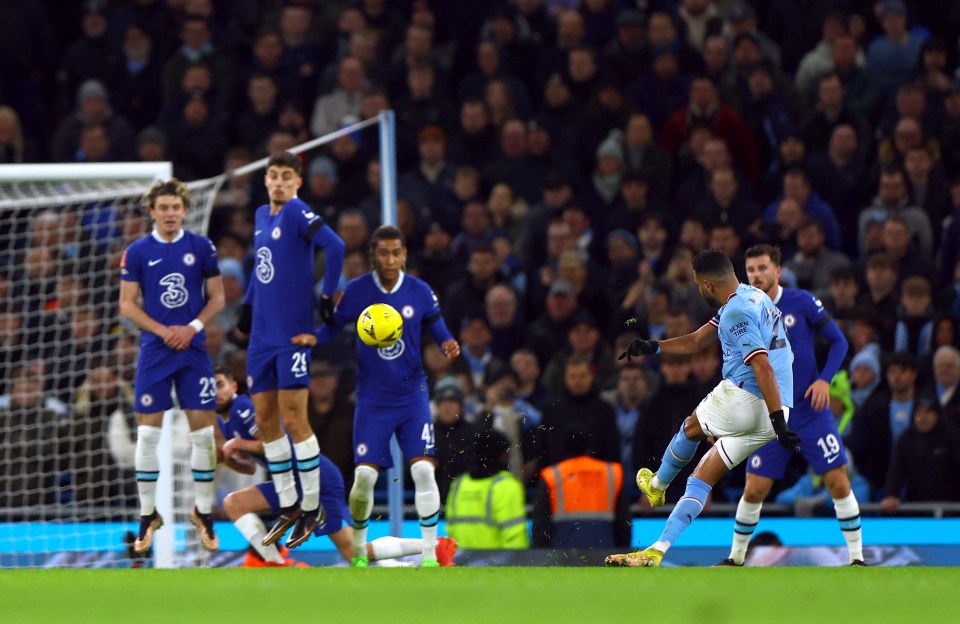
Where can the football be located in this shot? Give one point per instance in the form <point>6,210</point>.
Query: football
<point>379,326</point>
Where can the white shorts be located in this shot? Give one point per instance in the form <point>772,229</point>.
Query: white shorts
<point>739,419</point>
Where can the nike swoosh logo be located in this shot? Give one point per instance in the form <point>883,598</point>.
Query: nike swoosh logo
<point>155,262</point>
<point>257,232</point>
<point>298,375</point>
<point>205,401</point>
<point>833,459</point>
<point>244,413</point>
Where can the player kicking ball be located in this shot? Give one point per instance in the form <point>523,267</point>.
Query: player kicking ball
<point>237,423</point>
<point>820,442</point>
<point>176,273</point>
<point>747,409</point>
<point>279,306</point>
<point>392,393</point>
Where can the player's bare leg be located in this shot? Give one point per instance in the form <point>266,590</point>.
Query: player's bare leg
<point>848,511</point>
<point>147,465</point>
<point>361,505</point>
<point>292,405</point>
<point>242,507</point>
<point>427,502</point>
<point>203,463</point>
<point>279,454</point>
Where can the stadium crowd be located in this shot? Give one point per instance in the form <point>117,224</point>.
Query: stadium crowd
<point>560,162</point>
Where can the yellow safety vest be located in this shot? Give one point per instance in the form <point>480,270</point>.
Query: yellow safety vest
<point>488,513</point>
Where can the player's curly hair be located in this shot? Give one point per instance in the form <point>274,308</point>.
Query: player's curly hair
<point>386,232</point>
<point>173,187</point>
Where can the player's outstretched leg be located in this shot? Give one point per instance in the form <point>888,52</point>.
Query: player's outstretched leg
<point>678,454</point>
<point>393,547</point>
<point>147,466</point>
<point>685,511</point>
<point>254,530</point>
<point>427,502</point>
<point>361,504</point>
<point>748,514</point>
<point>280,463</point>
<point>203,461</point>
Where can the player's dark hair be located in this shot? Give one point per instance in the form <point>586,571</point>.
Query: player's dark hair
<point>765,250</point>
<point>286,159</point>
<point>223,370</point>
<point>713,263</point>
<point>386,232</point>
<point>173,187</point>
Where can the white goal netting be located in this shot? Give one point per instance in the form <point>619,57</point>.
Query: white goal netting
<point>67,428</point>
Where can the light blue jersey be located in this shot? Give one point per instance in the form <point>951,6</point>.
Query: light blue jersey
<point>748,325</point>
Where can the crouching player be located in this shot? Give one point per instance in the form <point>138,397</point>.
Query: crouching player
<point>237,423</point>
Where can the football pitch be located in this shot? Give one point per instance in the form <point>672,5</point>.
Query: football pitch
<point>528,595</point>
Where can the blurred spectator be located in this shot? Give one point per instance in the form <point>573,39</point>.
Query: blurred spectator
<point>814,264</point>
<point>197,142</point>
<point>93,109</point>
<point>630,401</point>
<point>90,56</point>
<point>490,492</point>
<point>893,199</point>
<point>465,297</point>
<point>135,80</point>
<point>474,142</point>
<point>430,181</point>
<point>881,421</point>
<point>831,112</point>
<point>259,113</point>
<point>15,146</point>
<point>584,341</point>
<point>526,366</point>
<point>343,102</point>
<point>881,295</point>
<point>455,436</point>
<point>30,435</point>
<point>914,323</point>
<point>742,20</point>
<point>95,477</point>
<point>518,420</point>
<point>819,60</point>
<point>197,46</point>
<point>895,55</point>
<point>578,500</point>
<point>502,310</point>
<point>928,186</point>
<point>797,186</point>
<point>897,242</point>
<point>579,406</point>
<point>946,383</point>
<point>475,339</point>
<point>926,460</point>
<point>330,410</point>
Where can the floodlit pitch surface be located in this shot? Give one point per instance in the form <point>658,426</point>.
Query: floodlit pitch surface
<point>499,595</point>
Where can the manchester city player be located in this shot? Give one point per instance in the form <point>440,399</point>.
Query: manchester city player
<point>820,445</point>
<point>237,422</point>
<point>392,387</point>
<point>278,307</point>
<point>176,273</point>
<point>747,409</point>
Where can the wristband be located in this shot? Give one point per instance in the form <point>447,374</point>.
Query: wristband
<point>197,324</point>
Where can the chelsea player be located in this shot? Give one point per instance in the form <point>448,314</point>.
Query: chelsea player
<point>176,273</point>
<point>392,391</point>
<point>279,306</point>
<point>238,425</point>
<point>820,444</point>
<point>747,409</point>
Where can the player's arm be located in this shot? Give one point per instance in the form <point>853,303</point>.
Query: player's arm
<point>682,345</point>
<point>838,345</point>
<point>245,321</point>
<point>183,334</point>
<point>767,382</point>
<point>443,337</point>
<point>131,310</point>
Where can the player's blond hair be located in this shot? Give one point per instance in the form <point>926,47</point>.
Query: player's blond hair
<point>173,187</point>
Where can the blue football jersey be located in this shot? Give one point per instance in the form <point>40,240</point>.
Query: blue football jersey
<point>281,287</point>
<point>802,315</point>
<point>171,278</point>
<point>241,423</point>
<point>749,324</point>
<point>384,375</point>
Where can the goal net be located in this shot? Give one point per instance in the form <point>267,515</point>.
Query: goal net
<point>68,493</point>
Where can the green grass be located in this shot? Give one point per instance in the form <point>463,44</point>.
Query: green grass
<point>461,595</point>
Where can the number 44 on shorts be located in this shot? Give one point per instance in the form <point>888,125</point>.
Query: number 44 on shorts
<point>427,436</point>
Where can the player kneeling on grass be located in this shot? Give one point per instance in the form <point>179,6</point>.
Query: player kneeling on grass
<point>743,412</point>
<point>237,422</point>
<point>392,393</point>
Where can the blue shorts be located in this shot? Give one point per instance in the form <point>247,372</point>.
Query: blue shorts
<point>161,369</point>
<point>374,424</point>
<point>278,369</point>
<point>820,445</point>
<point>332,497</point>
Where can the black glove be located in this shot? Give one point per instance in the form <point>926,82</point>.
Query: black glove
<point>786,438</point>
<point>326,311</point>
<point>246,319</point>
<point>638,347</point>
